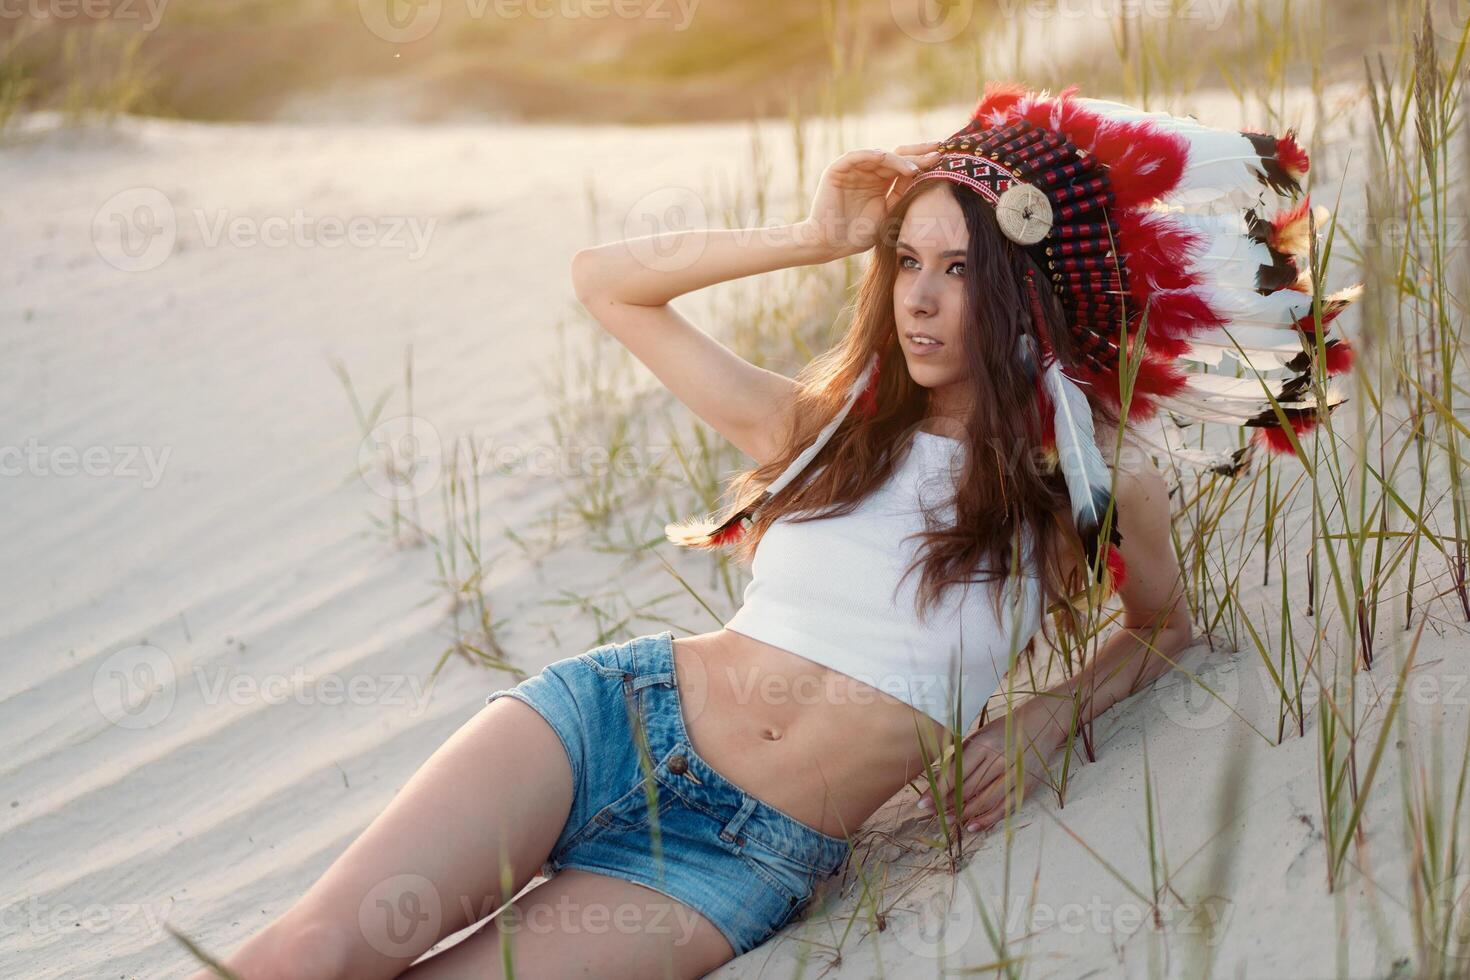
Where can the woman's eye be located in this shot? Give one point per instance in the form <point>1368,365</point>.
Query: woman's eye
<point>958,265</point>
<point>904,259</point>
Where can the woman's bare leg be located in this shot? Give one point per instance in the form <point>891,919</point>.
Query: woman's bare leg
<point>499,789</point>
<point>583,924</point>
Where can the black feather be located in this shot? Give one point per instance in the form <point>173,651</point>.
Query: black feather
<point>1272,174</point>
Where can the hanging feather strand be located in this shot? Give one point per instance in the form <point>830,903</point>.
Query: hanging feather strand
<point>707,533</point>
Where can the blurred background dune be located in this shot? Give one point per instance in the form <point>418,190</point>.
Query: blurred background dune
<point>635,61</point>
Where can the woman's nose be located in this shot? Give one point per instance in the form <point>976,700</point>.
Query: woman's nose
<point>920,300</point>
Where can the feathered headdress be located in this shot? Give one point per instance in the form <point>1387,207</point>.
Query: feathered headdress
<point>1133,215</point>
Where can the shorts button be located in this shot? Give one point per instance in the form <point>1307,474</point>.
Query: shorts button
<point>678,765</point>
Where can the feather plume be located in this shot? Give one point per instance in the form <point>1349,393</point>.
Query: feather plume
<point>710,533</point>
<point>1089,483</point>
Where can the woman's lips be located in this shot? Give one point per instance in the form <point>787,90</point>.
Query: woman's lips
<point>921,349</point>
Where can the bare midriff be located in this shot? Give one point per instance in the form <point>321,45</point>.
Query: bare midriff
<point>823,747</point>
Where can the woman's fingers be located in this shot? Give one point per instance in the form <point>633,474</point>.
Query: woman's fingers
<point>895,167</point>
<point>877,161</point>
<point>979,789</point>
<point>893,162</point>
<point>916,149</point>
<point>977,770</point>
<point>989,806</point>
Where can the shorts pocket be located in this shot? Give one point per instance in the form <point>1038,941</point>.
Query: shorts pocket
<point>793,884</point>
<point>632,810</point>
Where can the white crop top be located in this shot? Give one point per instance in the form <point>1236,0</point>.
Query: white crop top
<point>825,590</point>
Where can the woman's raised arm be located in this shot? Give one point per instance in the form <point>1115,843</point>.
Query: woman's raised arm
<point>851,199</point>
<point>626,287</point>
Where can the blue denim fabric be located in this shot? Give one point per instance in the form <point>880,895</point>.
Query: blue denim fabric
<point>741,863</point>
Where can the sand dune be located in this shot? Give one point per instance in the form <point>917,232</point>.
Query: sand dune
<point>245,556</point>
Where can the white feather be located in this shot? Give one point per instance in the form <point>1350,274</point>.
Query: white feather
<point>1080,460</point>
<point>805,457</point>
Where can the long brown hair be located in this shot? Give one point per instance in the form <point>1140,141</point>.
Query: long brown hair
<point>1002,488</point>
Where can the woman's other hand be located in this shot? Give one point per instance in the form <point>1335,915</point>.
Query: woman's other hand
<point>856,191</point>
<point>986,769</point>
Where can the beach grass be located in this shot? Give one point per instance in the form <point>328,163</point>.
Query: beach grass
<point>1322,570</point>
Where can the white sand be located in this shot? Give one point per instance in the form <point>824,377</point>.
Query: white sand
<point>246,554</point>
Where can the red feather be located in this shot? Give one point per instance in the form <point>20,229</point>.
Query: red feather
<point>1144,161</point>
<point>1291,156</point>
<point>1181,313</point>
<point>1277,441</point>
<point>1289,229</point>
<point>1160,252</point>
<point>867,402</point>
<point>1117,567</point>
<point>729,535</point>
<point>1329,313</point>
<point>997,100</point>
<point>1339,356</point>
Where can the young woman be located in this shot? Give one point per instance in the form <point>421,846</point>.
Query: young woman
<point>688,794</point>
<point>770,743</point>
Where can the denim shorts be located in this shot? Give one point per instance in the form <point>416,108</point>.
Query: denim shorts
<point>647,808</point>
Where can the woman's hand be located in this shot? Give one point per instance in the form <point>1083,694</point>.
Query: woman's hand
<point>986,769</point>
<point>857,190</point>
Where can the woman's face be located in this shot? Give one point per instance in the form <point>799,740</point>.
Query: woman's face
<point>929,288</point>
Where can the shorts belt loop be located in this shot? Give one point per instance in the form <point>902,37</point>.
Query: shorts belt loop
<point>731,831</point>
<point>637,682</point>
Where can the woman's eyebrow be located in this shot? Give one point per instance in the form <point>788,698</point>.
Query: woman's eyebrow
<point>954,251</point>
